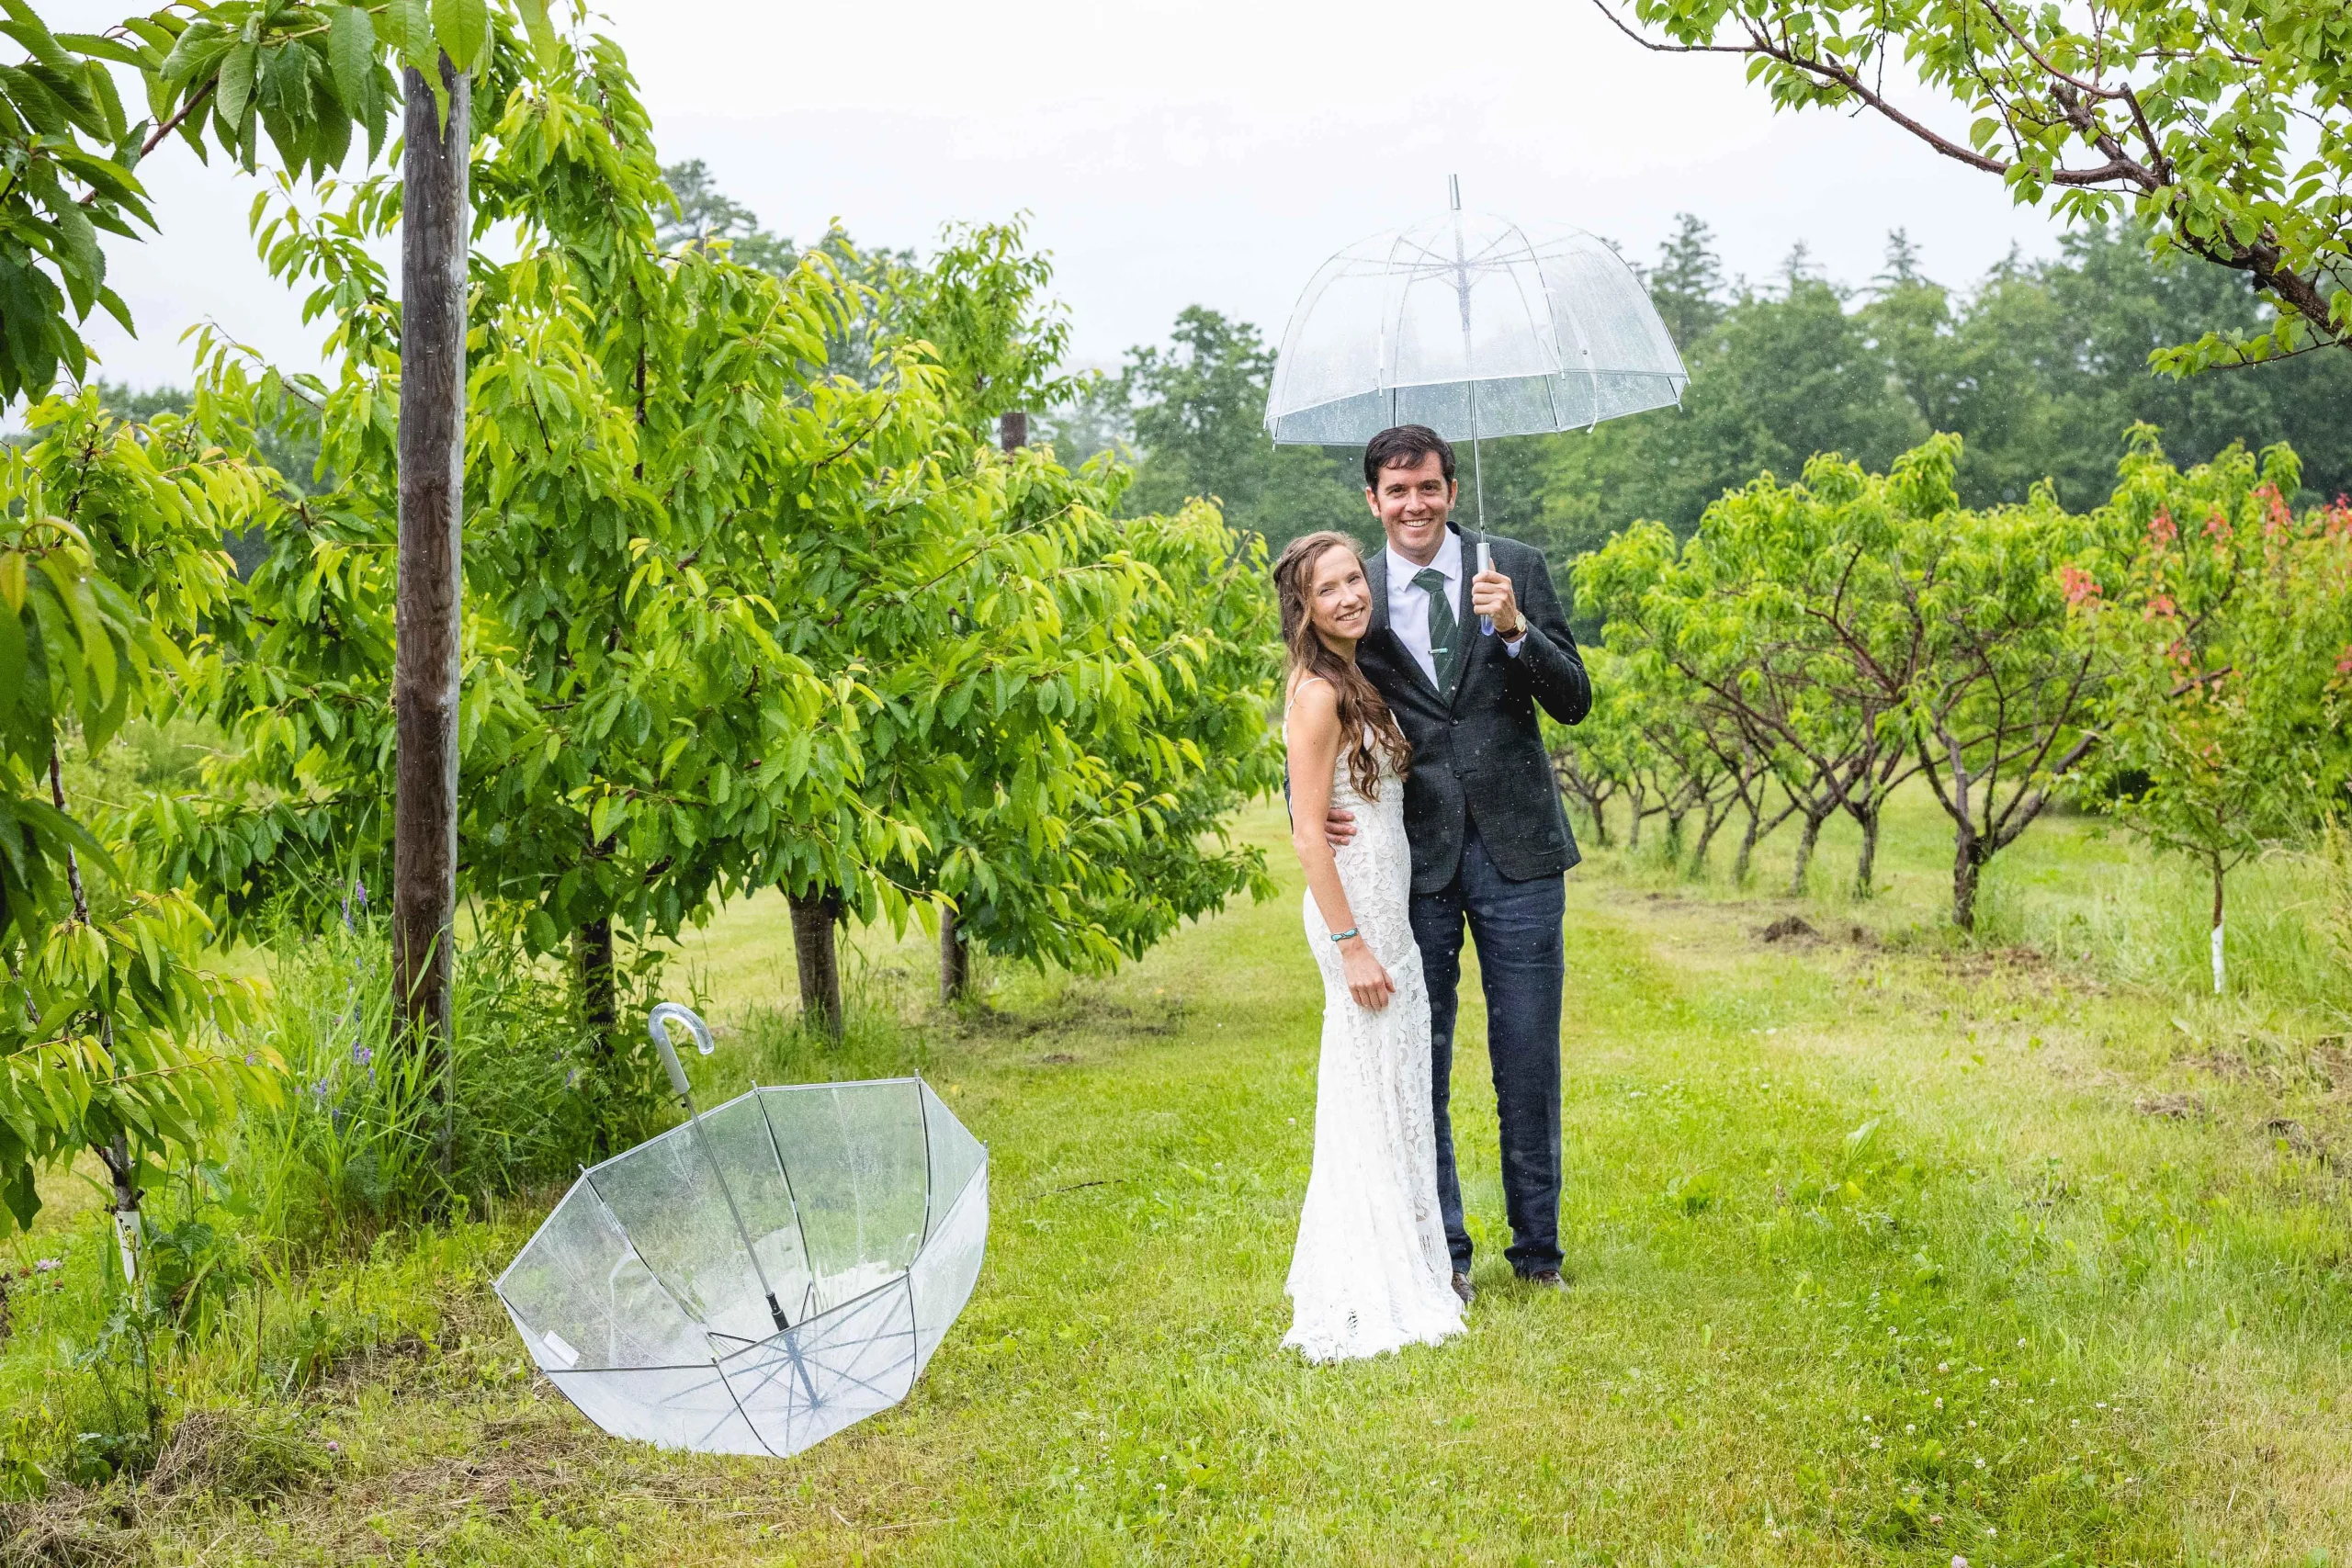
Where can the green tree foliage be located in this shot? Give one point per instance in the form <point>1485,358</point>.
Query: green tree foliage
<point>2225,130</point>
<point>110,1020</point>
<point>1196,411</point>
<point>1776,377</point>
<point>219,73</point>
<point>2040,369</point>
<point>733,621</point>
<point>705,215</point>
<point>2043,368</point>
<point>2184,652</point>
<point>2229,618</point>
<point>1842,632</point>
<point>121,1049</point>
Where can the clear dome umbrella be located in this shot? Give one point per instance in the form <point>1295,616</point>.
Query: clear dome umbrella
<point>758,1279</point>
<point>1475,326</point>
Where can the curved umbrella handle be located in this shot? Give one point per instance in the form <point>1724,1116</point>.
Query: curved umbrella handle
<point>663,1014</point>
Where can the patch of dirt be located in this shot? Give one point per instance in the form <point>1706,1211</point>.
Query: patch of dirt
<point>1058,1060</point>
<point>2171,1107</point>
<point>2297,1138</point>
<point>1074,1011</point>
<point>1788,928</point>
<point>2318,1065</point>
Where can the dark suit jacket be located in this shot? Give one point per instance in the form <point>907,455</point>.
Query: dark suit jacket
<point>1478,750</point>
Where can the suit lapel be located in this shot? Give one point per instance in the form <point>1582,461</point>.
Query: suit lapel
<point>1375,576</point>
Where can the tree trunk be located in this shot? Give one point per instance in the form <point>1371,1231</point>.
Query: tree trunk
<point>114,1151</point>
<point>1013,429</point>
<point>1967,865</point>
<point>815,919</point>
<point>2219,970</point>
<point>1745,859</point>
<point>1806,841</point>
<point>1866,863</point>
<point>955,962</point>
<point>434,229</point>
<point>1710,824</point>
<point>599,979</point>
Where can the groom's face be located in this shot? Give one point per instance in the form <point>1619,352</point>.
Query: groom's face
<point>1412,503</point>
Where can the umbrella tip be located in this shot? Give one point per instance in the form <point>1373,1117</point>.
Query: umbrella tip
<point>1453,191</point>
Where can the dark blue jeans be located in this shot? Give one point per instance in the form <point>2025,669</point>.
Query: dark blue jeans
<point>1517,928</point>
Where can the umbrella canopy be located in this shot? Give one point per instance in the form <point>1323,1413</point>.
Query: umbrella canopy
<point>1475,326</point>
<point>758,1279</point>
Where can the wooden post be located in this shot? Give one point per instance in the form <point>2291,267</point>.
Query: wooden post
<point>955,957</point>
<point>435,224</point>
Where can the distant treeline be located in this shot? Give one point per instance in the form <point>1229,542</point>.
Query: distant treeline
<point>2040,369</point>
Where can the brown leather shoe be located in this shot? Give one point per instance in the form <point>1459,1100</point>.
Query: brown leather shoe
<point>1546,1280</point>
<point>1462,1288</point>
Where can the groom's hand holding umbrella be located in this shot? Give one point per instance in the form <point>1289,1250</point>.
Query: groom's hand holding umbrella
<point>1491,596</point>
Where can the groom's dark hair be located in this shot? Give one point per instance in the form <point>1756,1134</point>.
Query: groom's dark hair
<point>1403,446</point>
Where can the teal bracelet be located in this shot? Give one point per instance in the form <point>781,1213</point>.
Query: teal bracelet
<point>1342,936</point>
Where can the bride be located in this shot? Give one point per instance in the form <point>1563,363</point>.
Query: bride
<point>1372,1272</point>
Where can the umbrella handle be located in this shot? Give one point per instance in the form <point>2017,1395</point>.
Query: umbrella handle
<point>662,1014</point>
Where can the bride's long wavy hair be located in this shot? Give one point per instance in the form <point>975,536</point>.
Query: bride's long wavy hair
<point>1371,729</point>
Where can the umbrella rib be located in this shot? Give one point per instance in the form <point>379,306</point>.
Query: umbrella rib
<point>771,1374</point>
<point>799,1226</point>
<point>776,1370</point>
<point>923,1108</point>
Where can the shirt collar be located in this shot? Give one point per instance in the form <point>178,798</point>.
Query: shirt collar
<point>1448,561</point>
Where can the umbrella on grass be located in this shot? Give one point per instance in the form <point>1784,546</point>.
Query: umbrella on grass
<point>758,1279</point>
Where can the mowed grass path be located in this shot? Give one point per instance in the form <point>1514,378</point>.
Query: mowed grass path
<point>1875,1259</point>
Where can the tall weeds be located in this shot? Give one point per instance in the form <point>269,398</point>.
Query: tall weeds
<point>356,1146</point>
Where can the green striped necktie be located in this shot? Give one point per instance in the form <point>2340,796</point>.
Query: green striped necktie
<point>1444,649</point>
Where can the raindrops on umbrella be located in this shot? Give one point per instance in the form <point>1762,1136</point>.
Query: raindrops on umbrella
<point>758,1279</point>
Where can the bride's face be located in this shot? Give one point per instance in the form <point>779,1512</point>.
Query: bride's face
<point>1338,600</point>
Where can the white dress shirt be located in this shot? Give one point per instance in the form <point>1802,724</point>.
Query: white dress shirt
<point>1409,602</point>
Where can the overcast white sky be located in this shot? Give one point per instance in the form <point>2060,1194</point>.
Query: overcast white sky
<point>1212,151</point>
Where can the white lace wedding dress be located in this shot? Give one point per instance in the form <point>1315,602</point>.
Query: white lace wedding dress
<point>1371,1273</point>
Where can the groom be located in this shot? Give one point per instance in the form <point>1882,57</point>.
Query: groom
<point>1490,839</point>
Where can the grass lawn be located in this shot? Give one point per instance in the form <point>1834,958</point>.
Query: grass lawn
<point>1885,1247</point>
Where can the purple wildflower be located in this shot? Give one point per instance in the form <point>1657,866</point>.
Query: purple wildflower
<point>360,1055</point>
<point>46,1266</point>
